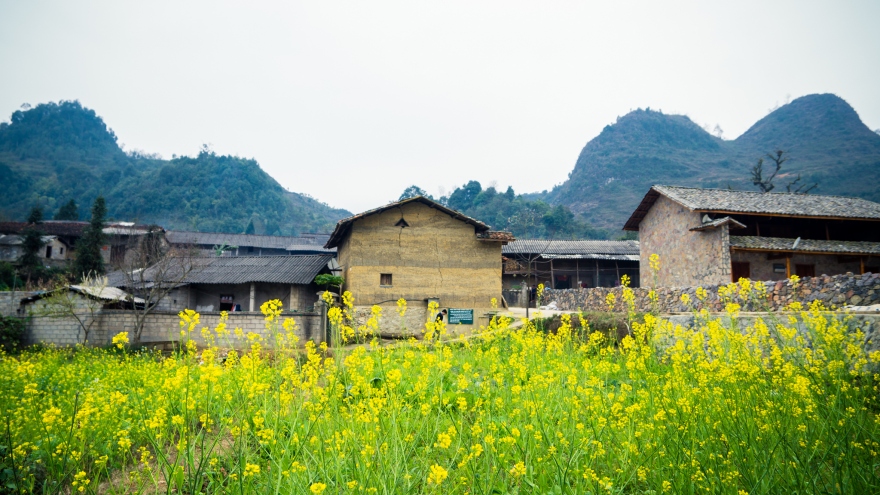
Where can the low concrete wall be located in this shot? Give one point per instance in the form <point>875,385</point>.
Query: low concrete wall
<point>160,326</point>
<point>839,290</point>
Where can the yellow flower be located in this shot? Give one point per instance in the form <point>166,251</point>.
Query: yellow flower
<point>120,339</point>
<point>250,470</point>
<point>437,474</point>
<point>654,261</point>
<point>518,469</point>
<point>317,488</point>
<point>443,441</point>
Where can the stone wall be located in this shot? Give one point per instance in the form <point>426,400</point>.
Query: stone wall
<point>160,326</point>
<point>687,258</point>
<point>10,301</point>
<point>839,290</point>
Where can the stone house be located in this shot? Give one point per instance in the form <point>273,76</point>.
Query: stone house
<point>419,250</point>
<point>715,236</point>
<point>235,283</point>
<point>560,264</point>
<point>55,251</point>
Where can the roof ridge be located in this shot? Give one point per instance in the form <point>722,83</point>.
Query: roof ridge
<point>763,193</point>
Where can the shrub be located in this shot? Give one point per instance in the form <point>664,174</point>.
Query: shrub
<point>11,332</point>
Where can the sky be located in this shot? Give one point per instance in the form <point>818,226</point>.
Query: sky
<point>351,102</point>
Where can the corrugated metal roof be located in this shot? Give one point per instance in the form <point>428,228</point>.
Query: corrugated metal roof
<point>555,248</point>
<point>297,269</point>
<point>343,225</point>
<point>609,257</point>
<point>312,242</point>
<point>788,204</point>
<point>804,245</point>
<point>104,293</point>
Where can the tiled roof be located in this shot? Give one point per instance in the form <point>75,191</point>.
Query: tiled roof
<point>62,228</point>
<point>310,242</point>
<point>343,225</point>
<point>16,240</point>
<point>70,228</point>
<point>758,203</point>
<point>299,269</point>
<point>804,245</point>
<point>550,248</point>
<point>496,235</point>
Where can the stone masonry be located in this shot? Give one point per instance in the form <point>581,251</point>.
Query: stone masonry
<point>838,290</point>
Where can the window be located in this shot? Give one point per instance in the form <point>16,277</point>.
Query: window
<point>385,279</point>
<point>805,270</point>
<point>48,251</point>
<point>778,267</point>
<point>60,250</point>
<point>227,302</point>
<point>740,269</point>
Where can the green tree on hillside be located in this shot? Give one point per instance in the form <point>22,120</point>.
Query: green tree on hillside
<point>30,263</point>
<point>413,191</point>
<point>67,212</point>
<point>88,250</point>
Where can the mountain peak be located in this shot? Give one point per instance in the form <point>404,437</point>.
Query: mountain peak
<point>809,122</point>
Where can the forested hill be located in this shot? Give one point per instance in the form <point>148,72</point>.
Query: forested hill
<point>55,152</point>
<point>822,134</point>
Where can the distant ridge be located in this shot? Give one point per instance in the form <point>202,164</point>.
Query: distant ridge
<point>822,133</point>
<point>55,152</point>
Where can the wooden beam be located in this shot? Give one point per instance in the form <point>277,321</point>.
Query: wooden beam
<point>787,267</point>
<point>861,265</point>
<point>763,250</point>
<point>725,212</point>
<point>778,256</point>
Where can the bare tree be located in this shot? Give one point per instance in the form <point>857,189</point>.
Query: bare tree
<point>82,302</point>
<point>151,269</point>
<point>766,183</point>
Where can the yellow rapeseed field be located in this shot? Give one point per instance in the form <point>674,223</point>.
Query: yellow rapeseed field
<point>787,404</point>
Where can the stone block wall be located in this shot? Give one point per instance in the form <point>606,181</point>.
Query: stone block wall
<point>160,326</point>
<point>687,258</point>
<point>838,290</point>
<point>10,300</point>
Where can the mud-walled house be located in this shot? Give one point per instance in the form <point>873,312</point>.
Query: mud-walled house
<point>715,236</point>
<point>419,250</point>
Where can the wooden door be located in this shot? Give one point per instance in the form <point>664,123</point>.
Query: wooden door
<point>805,270</point>
<point>740,269</point>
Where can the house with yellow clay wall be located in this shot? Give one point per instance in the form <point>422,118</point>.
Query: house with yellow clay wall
<point>421,251</point>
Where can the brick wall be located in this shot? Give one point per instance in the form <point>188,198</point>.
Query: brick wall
<point>839,290</point>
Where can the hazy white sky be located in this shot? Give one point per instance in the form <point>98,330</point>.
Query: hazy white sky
<point>351,102</point>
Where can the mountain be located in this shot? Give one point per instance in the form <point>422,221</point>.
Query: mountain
<point>822,135</point>
<point>55,152</point>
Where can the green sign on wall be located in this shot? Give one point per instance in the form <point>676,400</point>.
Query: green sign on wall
<point>462,316</point>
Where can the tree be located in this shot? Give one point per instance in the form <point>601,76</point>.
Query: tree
<point>151,269</point>
<point>766,183</point>
<point>67,212</point>
<point>88,248</point>
<point>413,191</point>
<point>30,264</point>
<point>327,280</point>
<point>82,304</point>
